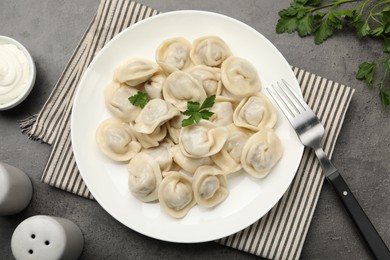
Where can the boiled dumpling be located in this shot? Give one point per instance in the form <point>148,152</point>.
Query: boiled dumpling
<point>167,173</point>
<point>239,77</point>
<point>174,168</point>
<point>225,93</point>
<point>144,177</point>
<point>229,158</point>
<point>255,112</point>
<point>153,87</point>
<point>180,87</point>
<point>223,110</point>
<point>182,166</point>
<point>210,186</point>
<point>174,54</point>
<point>150,140</point>
<point>210,51</point>
<point>162,154</point>
<point>135,71</point>
<point>187,163</point>
<point>208,77</point>
<point>115,140</point>
<point>174,127</point>
<point>155,113</point>
<point>116,96</point>
<point>261,152</point>
<point>175,194</point>
<point>203,139</point>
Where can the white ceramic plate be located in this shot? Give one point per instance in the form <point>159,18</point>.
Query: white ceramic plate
<point>249,198</point>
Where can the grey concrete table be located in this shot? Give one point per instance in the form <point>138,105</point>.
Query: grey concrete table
<point>51,31</point>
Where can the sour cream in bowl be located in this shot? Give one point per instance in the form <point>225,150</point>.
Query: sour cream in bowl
<point>17,73</point>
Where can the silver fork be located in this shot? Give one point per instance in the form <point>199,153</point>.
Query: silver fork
<point>310,131</point>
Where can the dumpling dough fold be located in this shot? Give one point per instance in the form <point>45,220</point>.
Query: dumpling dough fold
<point>229,158</point>
<point>188,164</point>
<point>203,139</point>
<point>176,195</point>
<point>153,87</point>
<point>116,97</point>
<point>135,71</point>
<point>174,127</point>
<point>210,186</point>
<point>150,140</point>
<point>261,152</point>
<point>255,113</point>
<point>155,113</point>
<point>115,139</point>
<point>174,54</point>
<point>240,77</point>
<point>223,110</point>
<point>144,177</point>
<point>210,51</point>
<point>162,154</point>
<point>208,77</point>
<point>180,87</point>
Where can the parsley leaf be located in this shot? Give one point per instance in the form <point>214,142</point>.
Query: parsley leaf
<point>187,122</point>
<point>386,48</point>
<point>386,63</point>
<point>208,102</point>
<point>140,99</point>
<point>385,97</point>
<point>305,25</point>
<point>377,31</point>
<point>366,71</point>
<point>287,24</point>
<point>344,13</point>
<point>324,31</point>
<point>196,112</point>
<point>362,28</point>
<point>385,15</point>
<point>206,114</point>
<point>192,106</point>
<point>371,19</point>
<point>331,21</point>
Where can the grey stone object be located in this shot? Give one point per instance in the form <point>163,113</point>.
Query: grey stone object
<point>51,30</point>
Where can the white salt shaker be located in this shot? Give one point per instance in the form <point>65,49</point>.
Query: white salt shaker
<point>46,237</point>
<point>15,190</point>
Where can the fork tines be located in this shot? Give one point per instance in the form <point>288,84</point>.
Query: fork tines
<point>292,103</point>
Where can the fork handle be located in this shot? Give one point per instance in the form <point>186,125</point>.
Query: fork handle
<point>367,230</point>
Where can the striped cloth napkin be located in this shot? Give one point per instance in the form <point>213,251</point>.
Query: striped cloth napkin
<point>280,234</point>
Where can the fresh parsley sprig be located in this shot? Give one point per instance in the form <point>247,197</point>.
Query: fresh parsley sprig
<point>140,99</point>
<point>370,18</point>
<point>307,17</point>
<point>196,112</point>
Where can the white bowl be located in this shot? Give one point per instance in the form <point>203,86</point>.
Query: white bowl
<point>31,78</point>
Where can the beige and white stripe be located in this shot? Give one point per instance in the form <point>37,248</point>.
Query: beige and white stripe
<point>280,234</point>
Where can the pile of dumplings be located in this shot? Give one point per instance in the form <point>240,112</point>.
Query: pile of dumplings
<point>184,166</point>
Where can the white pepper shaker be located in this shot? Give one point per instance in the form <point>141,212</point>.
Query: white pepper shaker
<point>45,237</point>
<point>15,190</point>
